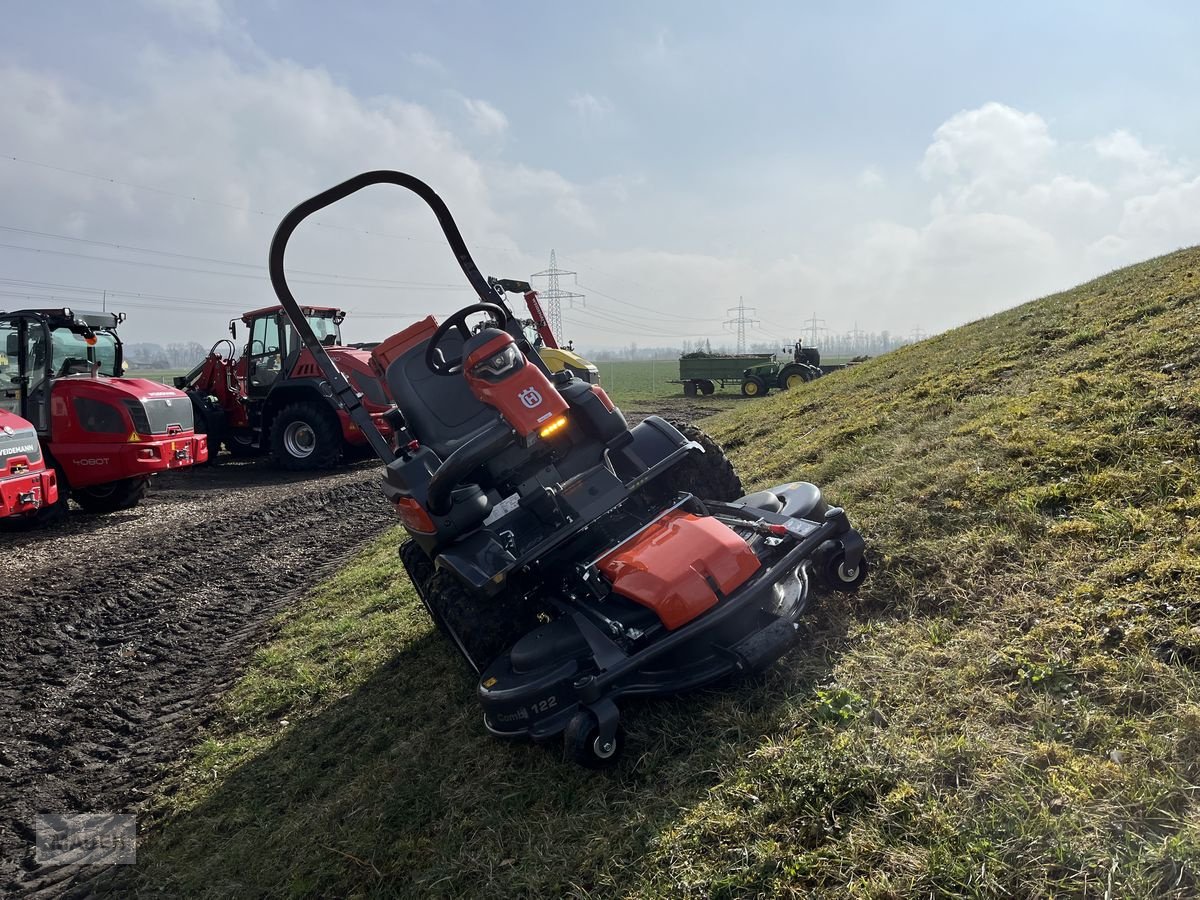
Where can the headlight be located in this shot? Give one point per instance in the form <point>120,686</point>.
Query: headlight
<point>507,360</point>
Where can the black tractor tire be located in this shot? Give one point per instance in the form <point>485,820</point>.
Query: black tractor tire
<point>710,476</point>
<point>706,387</point>
<point>581,741</point>
<point>420,571</point>
<point>125,493</point>
<point>753,386</point>
<point>689,388</point>
<point>209,420</point>
<point>793,376</point>
<point>306,436</point>
<point>239,445</point>
<point>480,627</point>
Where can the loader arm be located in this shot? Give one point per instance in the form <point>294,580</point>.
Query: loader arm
<point>539,320</point>
<point>342,393</point>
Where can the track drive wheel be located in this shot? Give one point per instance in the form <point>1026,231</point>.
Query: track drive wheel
<point>306,437</point>
<point>753,386</point>
<point>480,627</point>
<point>709,476</point>
<point>124,493</point>
<point>583,745</point>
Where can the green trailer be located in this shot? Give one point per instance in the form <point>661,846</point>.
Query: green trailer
<point>755,373</point>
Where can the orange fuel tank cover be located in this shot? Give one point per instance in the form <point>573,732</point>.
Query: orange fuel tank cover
<point>400,343</point>
<point>666,567</point>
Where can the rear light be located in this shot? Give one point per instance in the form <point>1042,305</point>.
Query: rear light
<point>414,517</point>
<point>553,427</point>
<point>148,453</point>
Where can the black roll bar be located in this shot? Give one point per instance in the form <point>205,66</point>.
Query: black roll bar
<point>343,394</point>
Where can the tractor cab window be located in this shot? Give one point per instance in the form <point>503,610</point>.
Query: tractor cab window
<point>265,353</point>
<point>10,367</point>
<point>328,332</point>
<point>532,334</point>
<point>73,353</point>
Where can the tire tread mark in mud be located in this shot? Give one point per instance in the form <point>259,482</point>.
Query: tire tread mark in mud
<point>109,664</point>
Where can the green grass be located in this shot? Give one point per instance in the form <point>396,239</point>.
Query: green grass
<point>1011,706</point>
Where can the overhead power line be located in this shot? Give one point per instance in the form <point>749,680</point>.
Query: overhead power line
<point>224,262</point>
<point>231,206</point>
<point>397,286</point>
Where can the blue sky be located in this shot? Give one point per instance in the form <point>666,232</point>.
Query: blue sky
<point>888,165</point>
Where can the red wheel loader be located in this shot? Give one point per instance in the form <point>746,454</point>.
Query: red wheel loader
<point>103,435</point>
<point>271,399</point>
<point>26,485</point>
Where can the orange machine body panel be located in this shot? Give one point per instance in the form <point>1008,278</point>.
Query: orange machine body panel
<point>525,396</point>
<point>400,343</point>
<point>666,568</point>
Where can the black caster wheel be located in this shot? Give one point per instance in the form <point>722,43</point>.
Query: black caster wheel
<point>841,577</point>
<point>583,744</point>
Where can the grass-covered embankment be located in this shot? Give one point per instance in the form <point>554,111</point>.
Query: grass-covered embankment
<point>1010,707</point>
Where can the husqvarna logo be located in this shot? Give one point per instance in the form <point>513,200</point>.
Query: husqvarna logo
<point>530,397</point>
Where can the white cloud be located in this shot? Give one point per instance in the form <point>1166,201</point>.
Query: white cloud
<point>870,178</point>
<point>993,142</point>
<point>485,118</point>
<point>205,15</point>
<point>425,61</point>
<point>591,108</point>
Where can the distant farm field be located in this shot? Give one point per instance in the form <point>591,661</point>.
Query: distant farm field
<point>163,376</point>
<point>641,379</point>
<point>623,379</point>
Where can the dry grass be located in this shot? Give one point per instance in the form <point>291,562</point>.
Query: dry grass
<point>1010,708</point>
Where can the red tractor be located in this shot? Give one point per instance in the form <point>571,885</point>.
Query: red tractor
<point>273,398</point>
<point>103,435</point>
<point>26,485</point>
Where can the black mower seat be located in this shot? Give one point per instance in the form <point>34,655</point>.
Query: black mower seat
<point>796,499</point>
<point>440,410</point>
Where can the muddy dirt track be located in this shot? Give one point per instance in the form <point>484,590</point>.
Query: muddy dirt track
<point>119,631</point>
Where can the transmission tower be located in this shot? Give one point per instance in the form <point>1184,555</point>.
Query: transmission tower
<point>554,296</point>
<point>743,319</point>
<point>858,339</point>
<point>815,326</point>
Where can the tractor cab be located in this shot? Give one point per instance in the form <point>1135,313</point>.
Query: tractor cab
<point>41,345</point>
<point>103,434</point>
<point>273,348</point>
<point>271,398</point>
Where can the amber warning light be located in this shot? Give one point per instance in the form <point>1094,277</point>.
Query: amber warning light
<point>553,427</point>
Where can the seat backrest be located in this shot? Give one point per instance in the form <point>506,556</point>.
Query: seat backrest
<point>440,410</point>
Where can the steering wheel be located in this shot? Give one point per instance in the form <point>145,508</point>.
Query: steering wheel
<point>434,360</point>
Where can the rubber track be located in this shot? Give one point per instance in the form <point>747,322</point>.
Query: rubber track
<point>109,665</point>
